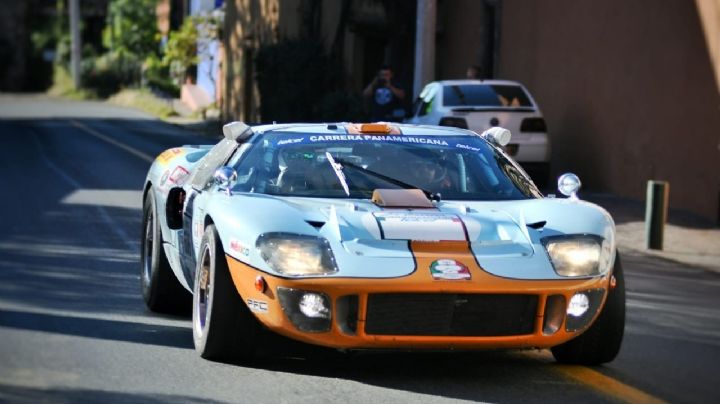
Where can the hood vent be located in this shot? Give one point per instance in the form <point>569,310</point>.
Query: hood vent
<point>316,224</point>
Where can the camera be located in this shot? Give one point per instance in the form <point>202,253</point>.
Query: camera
<point>382,82</point>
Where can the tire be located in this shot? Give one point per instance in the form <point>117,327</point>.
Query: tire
<point>161,290</point>
<point>223,327</point>
<point>601,342</point>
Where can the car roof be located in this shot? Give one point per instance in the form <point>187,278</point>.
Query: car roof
<point>485,82</point>
<point>344,128</point>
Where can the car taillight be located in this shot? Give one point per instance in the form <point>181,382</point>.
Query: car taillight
<point>533,125</point>
<point>454,121</point>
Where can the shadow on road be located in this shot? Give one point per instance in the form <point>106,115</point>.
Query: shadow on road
<point>125,331</point>
<point>23,394</point>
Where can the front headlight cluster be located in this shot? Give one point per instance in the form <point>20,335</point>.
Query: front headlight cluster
<point>579,255</point>
<point>297,254</point>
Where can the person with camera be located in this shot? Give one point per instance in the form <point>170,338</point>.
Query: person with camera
<point>386,97</point>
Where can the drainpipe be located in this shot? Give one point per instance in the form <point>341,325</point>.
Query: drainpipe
<point>424,44</point>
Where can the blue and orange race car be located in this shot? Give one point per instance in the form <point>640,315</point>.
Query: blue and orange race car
<point>364,236</point>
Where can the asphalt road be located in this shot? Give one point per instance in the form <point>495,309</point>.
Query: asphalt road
<point>73,327</point>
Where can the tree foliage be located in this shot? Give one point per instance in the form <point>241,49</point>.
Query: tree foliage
<point>131,27</point>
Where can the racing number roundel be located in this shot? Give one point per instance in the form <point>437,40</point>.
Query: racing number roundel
<point>449,269</point>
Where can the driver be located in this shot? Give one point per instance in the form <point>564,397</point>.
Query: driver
<point>430,173</point>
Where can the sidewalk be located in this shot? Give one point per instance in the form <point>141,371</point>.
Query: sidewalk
<point>688,239</point>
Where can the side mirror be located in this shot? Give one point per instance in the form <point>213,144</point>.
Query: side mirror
<point>497,135</point>
<point>225,178</point>
<point>569,184</point>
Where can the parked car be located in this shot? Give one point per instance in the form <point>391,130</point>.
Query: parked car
<point>381,235</point>
<point>479,105</point>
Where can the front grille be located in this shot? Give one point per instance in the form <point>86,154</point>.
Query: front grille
<point>426,314</point>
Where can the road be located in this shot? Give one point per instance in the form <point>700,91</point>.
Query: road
<point>74,328</point>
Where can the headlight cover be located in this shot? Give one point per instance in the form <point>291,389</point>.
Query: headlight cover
<point>579,255</point>
<point>297,254</point>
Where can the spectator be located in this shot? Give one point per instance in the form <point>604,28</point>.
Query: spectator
<point>386,97</point>
<point>474,72</point>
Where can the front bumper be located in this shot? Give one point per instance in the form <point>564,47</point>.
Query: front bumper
<point>404,313</point>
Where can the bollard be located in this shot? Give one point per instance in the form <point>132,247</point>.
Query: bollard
<point>656,206</point>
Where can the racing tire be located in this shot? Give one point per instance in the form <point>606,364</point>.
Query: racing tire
<point>601,342</point>
<point>161,290</point>
<point>223,327</point>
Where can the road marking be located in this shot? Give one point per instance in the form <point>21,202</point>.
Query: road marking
<point>603,384</point>
<point>104,215</point>
<point>135,152</point>
<point>607,385</point>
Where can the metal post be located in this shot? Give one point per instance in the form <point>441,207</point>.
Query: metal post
<point>656,206</point>
<point>75,45</point>
<point>424,44</point>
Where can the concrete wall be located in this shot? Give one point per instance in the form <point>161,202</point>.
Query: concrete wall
<point>628,89</point>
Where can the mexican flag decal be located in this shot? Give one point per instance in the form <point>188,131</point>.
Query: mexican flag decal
<point>449,270</point>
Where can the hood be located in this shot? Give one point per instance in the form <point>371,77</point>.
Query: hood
<point>374,242</point>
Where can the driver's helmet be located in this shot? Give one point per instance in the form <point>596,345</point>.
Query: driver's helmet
<point>429,169</point>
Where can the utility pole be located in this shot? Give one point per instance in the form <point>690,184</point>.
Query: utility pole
<point>75,45</point>
<point>424,44</point>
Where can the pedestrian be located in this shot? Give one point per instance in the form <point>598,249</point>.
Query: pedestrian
<point>474,72</point>
<point>386,97</point>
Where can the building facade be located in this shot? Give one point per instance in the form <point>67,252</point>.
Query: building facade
<point>630,90</point>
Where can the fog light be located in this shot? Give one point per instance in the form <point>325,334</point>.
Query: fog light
<point>313,306</point>
<point>579,305</point>
<point>308,311</point>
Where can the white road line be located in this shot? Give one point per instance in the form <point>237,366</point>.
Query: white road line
<point>129,242</point>
<point>135,152</point>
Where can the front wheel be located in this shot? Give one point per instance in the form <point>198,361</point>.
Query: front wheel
<point>601,342</point>
<point>223,327</point>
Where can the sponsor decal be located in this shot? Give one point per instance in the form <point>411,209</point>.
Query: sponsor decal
<point>239,248</point>
<point>449,269</point>
<point>420,226</point>
<point>257,306</point>
<point>164,177</point>
<point>168,155</point>
<point>179,175</point>
<point>290,141</point>
<point>422,140</point>
<point>466,147</point>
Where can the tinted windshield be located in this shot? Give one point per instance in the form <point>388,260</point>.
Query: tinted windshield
<point>483,95</point>
<point>460,168</point>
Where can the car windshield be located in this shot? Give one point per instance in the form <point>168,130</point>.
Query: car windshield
<point>456,167</point>
<point>485,95</point>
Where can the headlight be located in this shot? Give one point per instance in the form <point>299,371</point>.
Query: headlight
<point>581,255</point>
<point>296,254</point>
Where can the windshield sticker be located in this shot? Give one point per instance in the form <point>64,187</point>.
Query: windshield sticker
<point>466,147</point>
<point>448,269</point>
<point>290,141</point>
<point>423,140</point>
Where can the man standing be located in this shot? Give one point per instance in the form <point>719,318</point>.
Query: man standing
<point>386,97</point>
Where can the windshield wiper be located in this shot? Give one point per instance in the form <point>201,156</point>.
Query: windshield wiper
<point>340,163</point>
<point>338,172</point>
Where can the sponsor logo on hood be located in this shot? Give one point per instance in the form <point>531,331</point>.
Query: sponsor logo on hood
<point>449,269</point>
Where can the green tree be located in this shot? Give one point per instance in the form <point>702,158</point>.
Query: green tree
<point>131,28</point>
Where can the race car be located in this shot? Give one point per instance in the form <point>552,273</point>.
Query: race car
<point>482,104</point>
<point>377,236</point>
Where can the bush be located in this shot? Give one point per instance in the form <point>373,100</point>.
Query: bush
<point>107,74</point>
<point>298,81</point>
